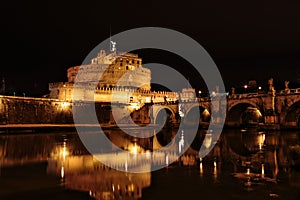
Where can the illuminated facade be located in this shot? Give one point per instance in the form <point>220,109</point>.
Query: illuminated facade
<point>119,72</point>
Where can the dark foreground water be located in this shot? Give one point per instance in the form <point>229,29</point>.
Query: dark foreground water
<point>244,164</point>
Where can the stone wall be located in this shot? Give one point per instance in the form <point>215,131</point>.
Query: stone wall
<point>20,110</point>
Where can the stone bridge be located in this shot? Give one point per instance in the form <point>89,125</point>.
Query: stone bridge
<point>273,110</point>
<point>267,110</point>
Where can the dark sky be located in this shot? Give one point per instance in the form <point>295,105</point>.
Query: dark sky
<point>246,39</point>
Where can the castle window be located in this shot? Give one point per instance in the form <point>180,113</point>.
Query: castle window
<point>126,67</point>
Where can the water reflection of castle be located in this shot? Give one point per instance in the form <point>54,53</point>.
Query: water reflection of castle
<point>84,173</point>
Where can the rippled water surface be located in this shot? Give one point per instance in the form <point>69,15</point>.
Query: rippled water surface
<point>242,165</point>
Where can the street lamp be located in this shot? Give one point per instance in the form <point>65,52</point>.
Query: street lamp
<point>199,92</point>
<point>245,86</point>
<point>259,89</point>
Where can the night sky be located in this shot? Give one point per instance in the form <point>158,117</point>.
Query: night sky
<point>246,39</point>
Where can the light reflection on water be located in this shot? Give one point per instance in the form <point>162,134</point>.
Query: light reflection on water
<point>242,165</point>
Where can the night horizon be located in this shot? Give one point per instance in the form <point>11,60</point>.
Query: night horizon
<point>43,40</point>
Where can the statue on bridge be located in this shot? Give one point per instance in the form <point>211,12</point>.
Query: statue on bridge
<point>232,91</point>
<point>287,89</point>
<point>271,86</point>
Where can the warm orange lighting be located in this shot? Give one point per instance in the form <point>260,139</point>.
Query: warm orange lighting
<point>261,140</point>
<point>206,112</point>
<point>64,151</point>
<point>134,149</point>
<point>208,140</point>
<point>134,106</point>
<point>259,87</point>
<point>126,166</point>
<point>248,171</point>
<point>148,154</point>
<point>262,170</point>
<point>201,168</point>
<point>167,160</point>
<point>215,169</point>
<point>62,172</point>
<point>245,86</point>
<point>260,146</point>
<point>65,105</point>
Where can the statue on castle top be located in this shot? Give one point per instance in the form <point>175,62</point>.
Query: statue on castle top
<point>113,47</point>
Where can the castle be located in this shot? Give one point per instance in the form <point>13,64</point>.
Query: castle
<point>121,72</point>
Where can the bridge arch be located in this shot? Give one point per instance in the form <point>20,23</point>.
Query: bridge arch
<point>191,112</point>
<point>164,116</point>
<point>243,114</point>
<point>292,117</point>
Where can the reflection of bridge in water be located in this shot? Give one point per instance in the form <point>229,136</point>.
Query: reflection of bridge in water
<point>267,154</point>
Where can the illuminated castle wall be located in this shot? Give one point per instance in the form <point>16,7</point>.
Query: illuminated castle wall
<point>123,75</point>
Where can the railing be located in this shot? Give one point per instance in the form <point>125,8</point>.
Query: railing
<point>290,91</point>
<point>245,95</point>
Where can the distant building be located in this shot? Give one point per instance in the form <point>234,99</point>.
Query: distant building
<point>252,84</point>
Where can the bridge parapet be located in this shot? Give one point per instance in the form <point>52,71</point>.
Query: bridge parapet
<point>290,91</point>
<point>246,95</point>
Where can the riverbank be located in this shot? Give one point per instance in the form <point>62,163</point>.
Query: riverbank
<point>23,128</point>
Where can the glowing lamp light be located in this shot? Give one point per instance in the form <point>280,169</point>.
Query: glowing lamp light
<point>248,171</point>
<point>64,151</point>
<point>62,172</point>
<point>134,149</point>
<point>201,168</point>
<point>65,105</point>
<point>134,106</point>
<point>167,160</point>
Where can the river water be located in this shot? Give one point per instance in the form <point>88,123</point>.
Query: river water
<point>244,164</point>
